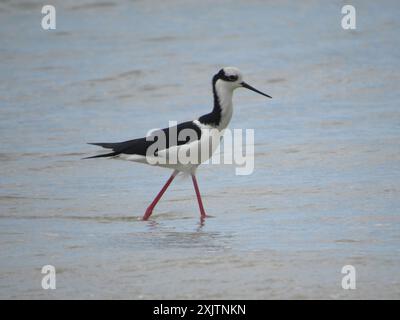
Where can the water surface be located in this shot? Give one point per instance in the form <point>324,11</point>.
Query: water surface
<point>325,191</point>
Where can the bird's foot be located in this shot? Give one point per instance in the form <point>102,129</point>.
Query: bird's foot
<point>147,214</point>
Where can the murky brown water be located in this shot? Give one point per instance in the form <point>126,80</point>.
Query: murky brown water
<point>326,187</point>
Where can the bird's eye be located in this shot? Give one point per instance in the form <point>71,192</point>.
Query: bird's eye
<point>232,78</point>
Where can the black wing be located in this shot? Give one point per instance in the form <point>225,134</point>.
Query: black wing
<point>140,146</point>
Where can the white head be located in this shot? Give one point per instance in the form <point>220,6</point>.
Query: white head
<point>231,78</point>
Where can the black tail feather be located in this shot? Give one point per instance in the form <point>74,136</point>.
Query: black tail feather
<point>112,154</point>
<point>104,144</point>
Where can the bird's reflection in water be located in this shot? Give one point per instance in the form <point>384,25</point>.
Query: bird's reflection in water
<point>152,225</point>
<point>201,224</point>
<point>159,234</point>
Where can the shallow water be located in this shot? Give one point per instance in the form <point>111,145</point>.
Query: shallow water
<point>326,187</point>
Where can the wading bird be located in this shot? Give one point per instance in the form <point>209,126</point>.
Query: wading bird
<point>197,135</point>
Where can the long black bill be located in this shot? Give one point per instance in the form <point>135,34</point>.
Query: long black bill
<point>245,85</point>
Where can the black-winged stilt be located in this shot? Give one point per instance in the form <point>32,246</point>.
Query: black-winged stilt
<point>198,134</point>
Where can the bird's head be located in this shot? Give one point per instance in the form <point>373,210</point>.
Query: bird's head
<point>231,78</point>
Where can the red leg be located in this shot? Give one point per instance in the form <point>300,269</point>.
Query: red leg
<point>196,188</point>
<point>149,210</point>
